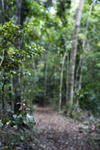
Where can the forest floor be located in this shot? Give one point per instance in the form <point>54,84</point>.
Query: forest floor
<point>56,132</point>
<point>53,131</point>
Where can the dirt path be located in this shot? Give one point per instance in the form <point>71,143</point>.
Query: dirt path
<point>60,133</point>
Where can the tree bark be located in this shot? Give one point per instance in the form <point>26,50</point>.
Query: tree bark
<point>84,48</point>
<point>4,81</point>
<point>46,74</point>
<point>2,12</point>
<point>61,76</point>
<point>67,92</point>
<point>3,95</point>
<point>17,89</point>
<point>73,54</point>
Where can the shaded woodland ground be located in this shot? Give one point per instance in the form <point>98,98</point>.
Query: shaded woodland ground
<point>53,131</point>
<point>60,133</point>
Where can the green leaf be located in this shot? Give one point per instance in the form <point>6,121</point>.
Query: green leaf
<point>15,127</point>
<point>1,124</point>
<point>22,138</point>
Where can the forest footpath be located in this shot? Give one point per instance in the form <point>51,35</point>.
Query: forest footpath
<point>60,133</point>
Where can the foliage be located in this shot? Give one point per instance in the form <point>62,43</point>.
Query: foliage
<point>31,58</point>
<point>21,120</point>
<point>38,46</point>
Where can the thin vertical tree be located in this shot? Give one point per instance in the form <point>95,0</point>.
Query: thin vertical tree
<point>17,89</point>
<point>3,76</point>
<point>84,43</point>
<point>73,53</point>
<point>2,11</point>
<point>61,75</point>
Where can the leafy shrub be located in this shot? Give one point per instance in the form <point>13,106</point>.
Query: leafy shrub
<point>20,120</point>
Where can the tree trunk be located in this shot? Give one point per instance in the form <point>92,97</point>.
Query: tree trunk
<point>81,65</point>
<point>84,48</point>
<point>2,21</point>
<point>17,89</point>
<point>73,54</point>
<point>3,95</point>
<point>2,12</point>
<point>12,93</point>
<point>46,74</point>
<point>67,92</point>
<point>3,86</point>
<point>61,76</point>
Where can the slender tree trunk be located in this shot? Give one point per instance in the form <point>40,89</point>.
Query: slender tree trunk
<point>81,65</point>
<point>73,54</point>
<point>83,49</point>
<point>3,86</point>
<point>3,95</point>
<point>2,58</point>
<point>18,11</point>
<point>67,92</point>
<point>2,11</point>
<point>78,83</point>
<point>7,10</point>
<point>17,89</point>
<point>46,73</point>
<point>61,76</point>
<point>79,72</point>
<point>12,93</point>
